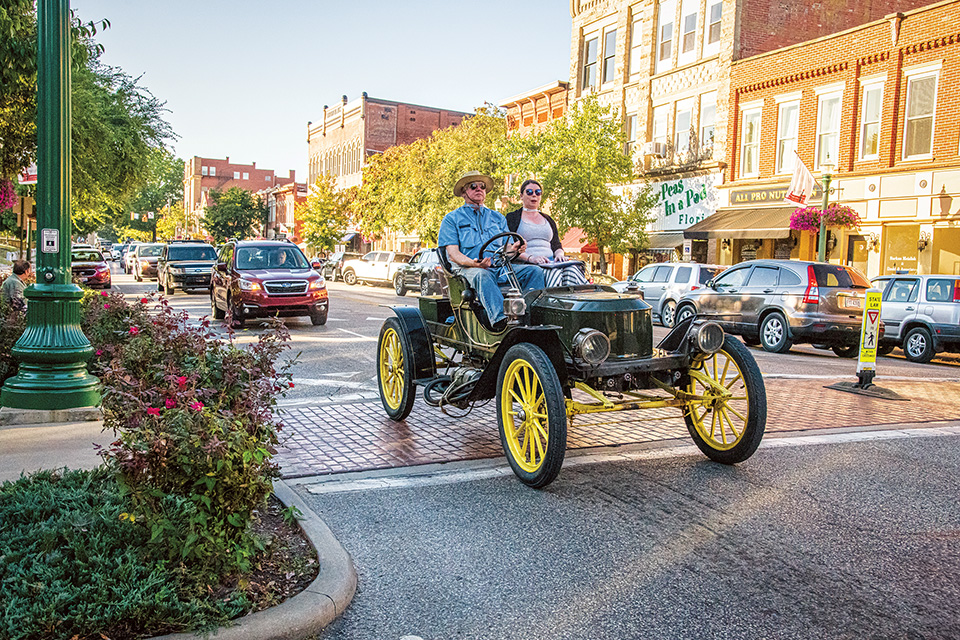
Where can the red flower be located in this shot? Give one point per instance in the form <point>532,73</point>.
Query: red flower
<point>291,385</point>
<point>106,306</point>
<point>170,403</point>
<point>144,300</point>
<point>153,411</point>
<point>182,381</point>
<point>134,330</point>
<point>104,294</point>
<point>197,406</point>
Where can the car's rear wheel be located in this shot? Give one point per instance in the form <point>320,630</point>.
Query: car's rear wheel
<point>684,312</point>
<point>668,313</point>
<point>398,285</point>
<point>918,345</point>
<point>318,317</point>
<point>395,370</point>
<point>885,349</point>
<point>237,321</point>
<point>215,311</point>
<point>532,415</point>
<point>729,416</point>
<point>848,351</point>
<point>350,277</point>
<point>775,334</point>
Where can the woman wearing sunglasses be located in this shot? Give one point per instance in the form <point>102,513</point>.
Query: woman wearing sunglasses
<point>543,239</point>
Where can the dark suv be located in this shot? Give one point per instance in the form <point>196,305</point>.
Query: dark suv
<point>261,278</point>
<point>185,265</point>
<point>333,267</point>
<point>423,273</point>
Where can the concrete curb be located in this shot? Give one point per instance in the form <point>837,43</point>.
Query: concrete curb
<point>308,612</point>
<point>17,417</point>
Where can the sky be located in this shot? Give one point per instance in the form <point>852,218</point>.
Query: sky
<point>241,79</point>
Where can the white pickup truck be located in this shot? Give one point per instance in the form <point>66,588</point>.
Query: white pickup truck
<point>375,267</point>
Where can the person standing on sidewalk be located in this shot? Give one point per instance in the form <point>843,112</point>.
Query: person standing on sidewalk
<point>464,230</point>
<point>12,290</point>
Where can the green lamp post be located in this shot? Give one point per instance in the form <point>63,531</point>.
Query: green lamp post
<point>822,238</point>
<point>53,350</point>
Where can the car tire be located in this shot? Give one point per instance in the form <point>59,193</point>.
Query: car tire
<point>136,275</point>
<point>775,334</point>
<point>684,312</point>
<point>318,318</point>
<point>528,387</point>
<point>215,311</point>
<point>168,285</point>
<point>885,349</point>
<point>237,321</point>
<point>745,405</point>
<point>350,277</point>
<point>849,351</point>
<point>398,285</point>
<point>424,286</point>
<point>395,370</point>
<point>918,345</point>
<point>668,314</point>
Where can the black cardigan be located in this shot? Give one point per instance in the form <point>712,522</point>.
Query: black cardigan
<point>513,223</point>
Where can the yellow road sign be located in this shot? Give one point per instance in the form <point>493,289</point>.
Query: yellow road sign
<point>870,333</point>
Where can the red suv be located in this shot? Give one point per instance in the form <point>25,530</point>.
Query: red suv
<point>261,278</point>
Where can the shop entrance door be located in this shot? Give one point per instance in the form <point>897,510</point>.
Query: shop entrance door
<point>857,253</point>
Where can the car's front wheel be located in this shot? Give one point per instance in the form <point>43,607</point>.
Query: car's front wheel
<point>729,415</point>
<point>237,321</point>
<point>775,334</point>
<point>171,289</point>
<point>918,345</point>
<point>350,277</point>
<point>318,317</point>
<point>215,311</point>
<point>424,286</point>
<point>398,285</point>
<point>684,312</point>
<point>532,414</point>
<point>668,313</point>
<point>395,370</point>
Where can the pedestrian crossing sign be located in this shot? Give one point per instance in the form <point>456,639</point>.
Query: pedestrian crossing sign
<point>870,332</point>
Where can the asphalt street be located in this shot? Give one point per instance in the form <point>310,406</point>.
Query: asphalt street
<point>839,539</point>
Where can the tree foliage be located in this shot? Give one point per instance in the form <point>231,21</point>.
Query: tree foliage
<point>233,214</point>
<point>580,162</point>
<point>162,186</point>
<point>325,215</point>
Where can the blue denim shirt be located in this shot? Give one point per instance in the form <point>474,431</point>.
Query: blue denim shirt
<point>468,228</point>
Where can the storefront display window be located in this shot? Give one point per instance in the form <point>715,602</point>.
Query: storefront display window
<point>900,249</point>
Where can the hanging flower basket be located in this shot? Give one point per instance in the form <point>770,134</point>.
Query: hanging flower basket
<point>8,195</point>
<point>836,216</point>
<point>806,219</point>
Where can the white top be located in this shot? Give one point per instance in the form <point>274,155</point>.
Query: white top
<point>538,237</point>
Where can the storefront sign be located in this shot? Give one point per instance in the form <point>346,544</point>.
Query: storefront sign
<point>684,202</point>
<point>767,195</point>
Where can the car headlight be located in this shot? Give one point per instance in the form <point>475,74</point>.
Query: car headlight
<point>514,306</point>
<point>249,285</point>
<point>709,337</point>
<point>591,346</point>
<point>317,284</point>
<point>175,271</point>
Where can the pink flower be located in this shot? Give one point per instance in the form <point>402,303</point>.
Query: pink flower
<point>106,306</point>
<point>197,406</point>
<point>170,403</point>
<point>153,411</point>
<point>182,381</point>
<point>134,331</point>
<point>104,294</point>
<point>99,352</point>
<point>144,300</point>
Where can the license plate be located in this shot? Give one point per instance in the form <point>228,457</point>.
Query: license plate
<point>853,303</point>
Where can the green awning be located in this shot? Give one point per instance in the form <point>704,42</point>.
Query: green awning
<point>743,224</point>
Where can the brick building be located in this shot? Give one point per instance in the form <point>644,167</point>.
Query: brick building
<point>874,105</point>
<point>282,202</point>
<point>531,110</point>
<point>665,66</point>
<point>200,175</point>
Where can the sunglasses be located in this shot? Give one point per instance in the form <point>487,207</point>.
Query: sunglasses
<point>478,185</point>
<point>533,192</point>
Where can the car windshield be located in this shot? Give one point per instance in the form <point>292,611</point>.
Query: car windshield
<point>86,255</point>
<point>270,258</point>
<point>191,252</point>
<point>150,250</point>
<point>402,258</point>
<point>837,276</point>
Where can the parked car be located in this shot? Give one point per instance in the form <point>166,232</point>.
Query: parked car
<point>262,278</point>
<point>144,260</point>
<point>921,314</point>
<point>89,267</point>
<point>127,262</point>
<point>185,265</point>
<point>663,284</point>
<point>423,273</point>
<point>376,267</point>
<point>333,267</point>
<point>776,303</point>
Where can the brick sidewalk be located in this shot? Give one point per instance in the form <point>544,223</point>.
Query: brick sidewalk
<point>358,436</point>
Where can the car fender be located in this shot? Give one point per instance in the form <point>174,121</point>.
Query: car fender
<point>545,337</point>
<point>415,328</point>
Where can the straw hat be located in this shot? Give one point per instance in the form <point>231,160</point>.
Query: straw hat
<point>471,176</point>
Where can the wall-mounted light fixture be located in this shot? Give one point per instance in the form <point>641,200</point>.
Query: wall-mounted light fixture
<point>873,242</point>
<point>923,241</point>
<point>831,242</point>
<point>725,244</point>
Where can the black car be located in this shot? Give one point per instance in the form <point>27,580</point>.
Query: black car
<point>185,265</point>
<point>333,267</point>
<point>423,273</point>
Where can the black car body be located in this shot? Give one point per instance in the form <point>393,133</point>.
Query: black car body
<point>423,273</point>
<point>185,265</point>
<point>333,267</point>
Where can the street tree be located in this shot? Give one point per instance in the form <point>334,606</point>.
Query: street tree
<point>325,215</point>
<point>234,213</point>
<point>162,187</point>
<point>581,164</point>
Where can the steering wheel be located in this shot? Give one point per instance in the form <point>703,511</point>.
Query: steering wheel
<point>502,255</point>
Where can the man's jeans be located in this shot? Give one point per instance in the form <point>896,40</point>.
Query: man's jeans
<point>485,283</point>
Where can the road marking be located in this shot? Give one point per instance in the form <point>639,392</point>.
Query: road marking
<point>331,383</point>
<point>473,470</point>
<point>878,379</point>
<point>358,335</point>
<point>372,318</point>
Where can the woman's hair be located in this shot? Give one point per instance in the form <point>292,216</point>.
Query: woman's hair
<point>529,182</point>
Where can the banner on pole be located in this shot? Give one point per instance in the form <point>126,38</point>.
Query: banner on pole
<point>801,185</point>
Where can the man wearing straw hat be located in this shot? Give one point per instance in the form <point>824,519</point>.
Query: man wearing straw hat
<point>462,233</point>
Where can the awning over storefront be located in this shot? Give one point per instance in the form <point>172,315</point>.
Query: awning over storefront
<point>743,223</point>
<point>347,237</point>
<point>575,241</point>
<point>665,240</point>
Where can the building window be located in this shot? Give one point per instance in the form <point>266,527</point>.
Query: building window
<point>688,36</point>
<point>921,107</point>
<point>590,63</point>
<point>609,55</point>
<point>267,178</point>
<point>750,143</point>
<point>708,120</point>
<point>631,134</point>
<point>788,121</point>
<point>246,176</point>
<point>682,124</point>
<point>665,35</point>
<point>636,44</point>
<point>870,121</point>
<point>213,171</point>
<point>236,175</point>
<point>828,129</point>
<point>204,171</point>
<point>712,27</point>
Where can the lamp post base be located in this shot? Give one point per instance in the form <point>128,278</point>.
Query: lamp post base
<point>51,387</point>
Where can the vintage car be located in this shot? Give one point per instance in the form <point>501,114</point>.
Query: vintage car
<point>567,351</point>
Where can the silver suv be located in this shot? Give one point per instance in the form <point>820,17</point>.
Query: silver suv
<point>776,303</point>
<point>921,314</point>
<point>663,284</point>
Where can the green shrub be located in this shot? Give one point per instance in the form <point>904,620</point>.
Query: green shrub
<point>71,566</point>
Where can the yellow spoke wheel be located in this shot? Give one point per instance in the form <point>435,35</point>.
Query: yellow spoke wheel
<point>532,415</point>
<point>729,415</point>
<point>394,370</point>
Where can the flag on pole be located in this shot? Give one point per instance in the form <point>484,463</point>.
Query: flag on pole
<point>801,185</point>
<point>133,216</point>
